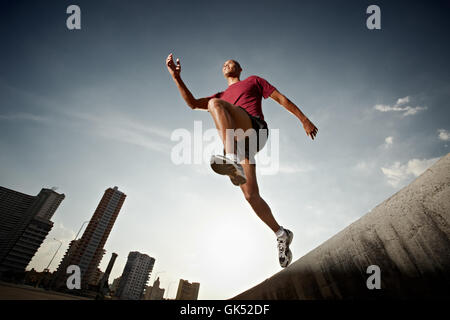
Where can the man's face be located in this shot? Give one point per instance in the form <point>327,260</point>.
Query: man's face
<point>231,69</point>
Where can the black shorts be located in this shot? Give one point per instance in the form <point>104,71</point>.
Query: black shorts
<point>262,134</point>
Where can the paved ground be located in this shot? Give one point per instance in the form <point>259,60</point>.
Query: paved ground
<point>20,292</point>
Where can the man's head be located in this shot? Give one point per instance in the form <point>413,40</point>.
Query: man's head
<point>231,68</point>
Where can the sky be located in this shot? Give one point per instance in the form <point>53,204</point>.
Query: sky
<point>85,110</point>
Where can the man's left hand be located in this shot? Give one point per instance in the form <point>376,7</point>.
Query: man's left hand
<point>310,128</point>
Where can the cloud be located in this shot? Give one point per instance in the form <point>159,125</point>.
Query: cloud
<point>365,167</point>
<point>444,135</point>
<point>362,166</point>
<point>23,116</point>
<point>118,128</point>
<point>401,101</point>
<point>132,137</point>
<point>397,174</point>
<point>127,130</point>
<point>389,141</point>
<point>293,168</point>
<point>407,110</point>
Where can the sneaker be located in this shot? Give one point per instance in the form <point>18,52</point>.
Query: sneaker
<point>222,165</point>
<point>284,253</point>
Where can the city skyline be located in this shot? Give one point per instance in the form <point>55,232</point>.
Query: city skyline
<point>86,109</point>
<point>69,250</point>
<point>45,211</point>
<point>43,206</point>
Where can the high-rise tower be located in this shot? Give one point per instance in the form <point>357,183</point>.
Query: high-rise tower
<point>24,224</point>
<point>87,252</point>
<point>135,276</point>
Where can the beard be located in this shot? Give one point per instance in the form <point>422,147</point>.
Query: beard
<point>231,73</point>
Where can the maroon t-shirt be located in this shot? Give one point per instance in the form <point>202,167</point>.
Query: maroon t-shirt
<point>247,94</point>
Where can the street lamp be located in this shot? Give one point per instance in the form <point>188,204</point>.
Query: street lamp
<point>60,244</point>
<point>80,229</point>
<point>156,275</point>
<point>47,269</point>
<point>82,225</point>
<point>96,220</point>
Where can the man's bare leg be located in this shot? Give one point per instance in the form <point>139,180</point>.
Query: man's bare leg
<point>262,209</point>
<point>251,193</point>
<point>226,116</point>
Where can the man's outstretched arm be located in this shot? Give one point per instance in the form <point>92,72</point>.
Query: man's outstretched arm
<point>175,70</point>
<point>309,127</point>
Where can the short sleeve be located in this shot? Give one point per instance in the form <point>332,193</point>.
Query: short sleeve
<point>216,95</point>
<point>266,87</point>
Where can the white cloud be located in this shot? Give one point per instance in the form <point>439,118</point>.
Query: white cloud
<point>362,166</point>
<point>382,107</point>
<point>397,174</point>
<point>388,141</point>
<point>444,135</point>
<point>294,168</point>
<point>407,110</point>
<point>365,167</point>
<point>23,116</point>
<point>118,128</point>
<point>411,111</point>
<point>128,131</point>
<point>401,101</point>
<point>132,137</point>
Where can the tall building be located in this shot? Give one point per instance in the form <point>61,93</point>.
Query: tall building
<point>88,251</point>
<point>114,286</point>
<point>135,276</point>
<point>95,279</point>
<point>187,291</point>
<point>154,292</point>
<point>59,277</point>
<point>24,224</point>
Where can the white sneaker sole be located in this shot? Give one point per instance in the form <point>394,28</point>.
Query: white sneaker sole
<point>228,169</point>
<point>288,252</point>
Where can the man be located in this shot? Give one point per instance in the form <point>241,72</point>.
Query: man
<point>239,108</point>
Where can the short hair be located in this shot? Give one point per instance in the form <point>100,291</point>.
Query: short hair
<point>237,63</point>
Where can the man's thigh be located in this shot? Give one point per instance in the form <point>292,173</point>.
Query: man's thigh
<point>240,116</point>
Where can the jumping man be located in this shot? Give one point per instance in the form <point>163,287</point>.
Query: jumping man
<point>239,107</point>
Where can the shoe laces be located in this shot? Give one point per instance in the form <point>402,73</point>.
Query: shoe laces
<point>281,244</point>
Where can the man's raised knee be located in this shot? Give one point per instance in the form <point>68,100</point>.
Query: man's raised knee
<point>214,104</point>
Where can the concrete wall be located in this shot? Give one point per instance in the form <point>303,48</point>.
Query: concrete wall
<point>407,236</point>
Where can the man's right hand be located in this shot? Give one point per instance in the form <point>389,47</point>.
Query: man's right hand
<point>174,69</point>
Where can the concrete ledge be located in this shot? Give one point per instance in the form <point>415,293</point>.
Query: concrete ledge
<point>407,236</point>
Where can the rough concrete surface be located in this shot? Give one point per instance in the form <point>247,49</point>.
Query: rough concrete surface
<point>407,236</point>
